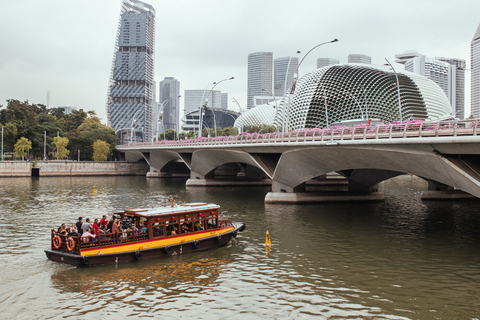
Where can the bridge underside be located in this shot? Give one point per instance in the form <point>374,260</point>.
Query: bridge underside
<point>291,171</point>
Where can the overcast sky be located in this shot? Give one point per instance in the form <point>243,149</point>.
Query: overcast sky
<point>66,46</point>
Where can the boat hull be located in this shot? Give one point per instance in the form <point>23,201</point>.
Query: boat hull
<point>77,260</point>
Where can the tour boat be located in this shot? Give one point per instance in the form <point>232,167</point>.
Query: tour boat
<point>154,233</point>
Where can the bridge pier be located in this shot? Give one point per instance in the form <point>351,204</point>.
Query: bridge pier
<point>440,191</point>
<point>210,180</point>
<point>282,193</point>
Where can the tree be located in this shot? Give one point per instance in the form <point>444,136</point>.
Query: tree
<point>22,145</point>
<point>61,147</point>
<point>101,150</point>
<point>170,134</point>
<point>92,130</point>
<point>229,131</point>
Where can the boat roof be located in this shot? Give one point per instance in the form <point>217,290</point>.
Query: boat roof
<point>178,208</point>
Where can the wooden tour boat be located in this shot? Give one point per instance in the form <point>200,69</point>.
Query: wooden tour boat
<point>155,232</point>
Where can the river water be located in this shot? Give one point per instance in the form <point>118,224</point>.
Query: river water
<point>399,259</point>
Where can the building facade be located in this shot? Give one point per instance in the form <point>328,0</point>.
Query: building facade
<point>194,99</point>
<point>283,70</point>
<point>169,106</point>
<point>458,87</point>
<point>323,62</point>
<point>130,100</point>
<point>359,58</point>
<point>260,76</point>
<point>475,73</point>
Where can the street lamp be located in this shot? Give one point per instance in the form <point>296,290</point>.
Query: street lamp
<point>295,75</point>
<point>325,99</point>
<point>205,100</point>
<point>240,109</point>
<point>359,107</point>
<point>398,91</point>
<point>175,124</point>
<point>133,124</point>
<point>160,109</point>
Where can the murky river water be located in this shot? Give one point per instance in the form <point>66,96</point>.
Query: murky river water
<point>400,259</point>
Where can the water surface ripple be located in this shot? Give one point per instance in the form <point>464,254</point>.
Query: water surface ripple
<point>400,259</point>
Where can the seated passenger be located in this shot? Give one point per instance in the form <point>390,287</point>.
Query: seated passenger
<point>135,230</point>
<point>87,235</point>
<point>72,232</point>
<point>62,230</point>
<point>185,228</point>
<point>197,226</point>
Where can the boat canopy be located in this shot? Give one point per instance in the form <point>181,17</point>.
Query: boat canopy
<point>177,209</point>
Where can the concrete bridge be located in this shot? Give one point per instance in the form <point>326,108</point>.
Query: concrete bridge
<point>446,154</point>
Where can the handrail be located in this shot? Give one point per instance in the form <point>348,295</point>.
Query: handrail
<point>420,129</point>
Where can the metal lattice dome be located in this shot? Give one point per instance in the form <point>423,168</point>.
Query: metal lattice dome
<point>357,91</point>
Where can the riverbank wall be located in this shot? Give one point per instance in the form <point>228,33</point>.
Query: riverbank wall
<point>55,168</point>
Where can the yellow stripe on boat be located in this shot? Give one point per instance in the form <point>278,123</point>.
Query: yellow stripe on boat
<point>155,243</point>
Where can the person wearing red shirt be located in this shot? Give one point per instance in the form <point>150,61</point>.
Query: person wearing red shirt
<point>95,227</point>
<point>103,222</point>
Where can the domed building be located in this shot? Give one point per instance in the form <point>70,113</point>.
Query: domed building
<point>357,91</point>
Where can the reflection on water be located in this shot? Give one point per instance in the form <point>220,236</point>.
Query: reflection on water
<point>400,259</point>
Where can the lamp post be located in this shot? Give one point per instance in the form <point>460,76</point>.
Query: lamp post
<point>175,125</point>
<point>295,75</point>
<point>2,143</point>
<point>160,109</point>
<point>205,100</point>
<point>325,99</point>
<point>398,91</point>
<point>133,125</point>
<point>359,107</point>
<point>240,109</point>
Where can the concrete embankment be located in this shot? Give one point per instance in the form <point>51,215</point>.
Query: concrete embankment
<point>71,168</point>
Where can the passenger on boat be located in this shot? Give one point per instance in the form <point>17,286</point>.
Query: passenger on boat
<point>143,229</point>
<point>185,228</point>
<point>62,230</point>
<point>79,225</point>
<point>72,232</point>
<point>87,235</point>
<point>103,221</point>
<point>95,227</point>
<point>110,223</point>
<point>114,226</point>
<point>86,225</point>
<point>197,226</point>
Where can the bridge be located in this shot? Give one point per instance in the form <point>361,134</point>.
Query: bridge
<point>446,154</point>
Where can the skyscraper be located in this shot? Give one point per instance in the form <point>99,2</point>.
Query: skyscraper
<point>169,91</point>
<point>458,97</point>
<point>284,68</point>
<point>475,65</point>
<point>323,62</point>
<point>130,100</point>
<point>359,58</point>
<point>260,76</point>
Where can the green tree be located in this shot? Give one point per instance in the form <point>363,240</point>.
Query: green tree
<point>92,130</point>
<point>21,147</point>
<point>61,150</point>
<point>262,128</point>
<point>170,134</point>
<point>229,131</point>
<point>101,150</point>
<point>9,135</point>
<point>52,126</point>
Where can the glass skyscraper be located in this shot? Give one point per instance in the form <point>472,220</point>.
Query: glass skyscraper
<point>260,76</point>
<point>130,100</point>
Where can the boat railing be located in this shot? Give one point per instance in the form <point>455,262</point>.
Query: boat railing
<point>102,239</point>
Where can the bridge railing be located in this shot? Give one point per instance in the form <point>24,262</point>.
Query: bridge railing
<point>410,129</point>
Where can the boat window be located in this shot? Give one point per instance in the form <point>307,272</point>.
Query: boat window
<point>212,223</point>
<point>158,229</point>
<point>172,227</point>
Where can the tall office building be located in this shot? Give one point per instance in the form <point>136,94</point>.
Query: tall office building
<point>193,99</point>
<point>359,58</point>
<point>260,76</point>
<point>169,92</point>
<point>323,62</point>
<point>458,104</point>
<point>283,70</point>
<point>475,65</point>
<point>130,100</point>
<point>440,72</point>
